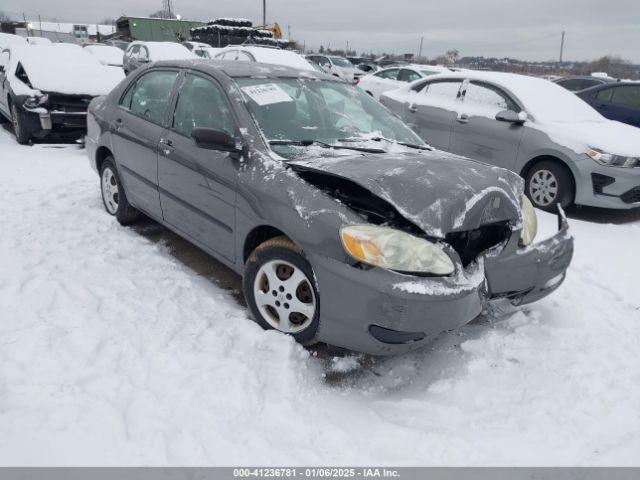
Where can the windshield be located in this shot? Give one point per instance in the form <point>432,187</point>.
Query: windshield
<point>332,113</point>
<point>341,62</point>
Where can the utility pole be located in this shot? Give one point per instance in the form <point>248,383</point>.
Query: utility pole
<point>346,52</point>
<point>561,46</point>
<point>40,22</point>
<point>264,13</point>
<point>26,24</point>
<point>420,51</point>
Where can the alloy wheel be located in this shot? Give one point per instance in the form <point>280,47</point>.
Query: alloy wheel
<point>543,188</point>
<point>284,296</point>
<point>109,186</point>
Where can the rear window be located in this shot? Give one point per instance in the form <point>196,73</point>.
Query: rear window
<point>341,62</point>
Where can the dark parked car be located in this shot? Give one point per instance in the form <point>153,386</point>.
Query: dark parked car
<point>577,83</point>
<point>618,101</point>
<point>346,227</point>
<point>46,89</point>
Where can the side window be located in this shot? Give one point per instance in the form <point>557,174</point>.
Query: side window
<point>201,104</point>
<point>589,83</point>
<point>626,96</point>
<point>488,97</point>
<point>572,84</point>
<point>133,51</point>
<point>324,61</point>
<point>604,95</point>
<point>447,89</point>
<point>409,76</point>
<point>144,53</point>
<point>391,74</point>
<point>150,95</point>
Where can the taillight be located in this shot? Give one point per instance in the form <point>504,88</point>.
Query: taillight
<point>357,81</point>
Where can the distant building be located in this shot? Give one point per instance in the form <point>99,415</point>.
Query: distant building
<point>155,29</point>
<point>66,32</point>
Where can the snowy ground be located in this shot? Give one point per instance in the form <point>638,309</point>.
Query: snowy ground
<point>114,352</point>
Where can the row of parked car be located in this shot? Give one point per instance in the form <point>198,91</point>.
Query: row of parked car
<point>404,219</point>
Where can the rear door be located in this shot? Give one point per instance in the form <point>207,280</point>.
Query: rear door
<point>432,109</point>
<point>197,185</point>
<point>621,103</point>
<point>136,127</point>
<point>477,134</point>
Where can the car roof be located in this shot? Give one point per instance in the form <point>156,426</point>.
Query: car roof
<point>236,69</point>
<point>587,77</point>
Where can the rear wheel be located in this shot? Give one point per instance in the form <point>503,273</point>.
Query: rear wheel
<point>548,185</point>
<point>20,125</point>
<point>280,290</point>
<point>113,196</point>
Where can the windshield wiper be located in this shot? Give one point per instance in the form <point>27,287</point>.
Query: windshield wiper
<point>378,139</point>
<point>307,143</point>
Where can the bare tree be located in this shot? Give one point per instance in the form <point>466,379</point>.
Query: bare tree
<point>4,17</point>
<point>162,14</point>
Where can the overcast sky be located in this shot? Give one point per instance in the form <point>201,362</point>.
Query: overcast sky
<point>527,29</point>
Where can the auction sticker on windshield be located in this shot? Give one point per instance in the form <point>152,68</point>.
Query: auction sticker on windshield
<point>267,94</point>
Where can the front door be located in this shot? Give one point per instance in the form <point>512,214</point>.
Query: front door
<point>136,128</point>
<point>478,135</point>
<point>198,185</point>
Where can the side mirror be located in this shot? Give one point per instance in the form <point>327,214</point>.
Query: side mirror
<point>511,117</point>
<point>1,68</point>
<point>213,139</point>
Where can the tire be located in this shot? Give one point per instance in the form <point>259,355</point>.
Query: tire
<point>114,197</point>
<point>268,269</point>
<point>20,125</point>
<point>549,184</point>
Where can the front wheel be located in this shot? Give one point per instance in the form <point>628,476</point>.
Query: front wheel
<point>20,125</point>
<point>549,185</point>
<point>280,290</point>
<point>113,195</point>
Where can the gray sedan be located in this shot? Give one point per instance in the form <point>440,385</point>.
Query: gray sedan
<point>346,227</point>
<point>565,150</point>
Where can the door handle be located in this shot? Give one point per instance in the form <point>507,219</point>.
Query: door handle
<point>464,118</point>
<point>117,124</point>
<point>412,108</point>
<point>166,141</point>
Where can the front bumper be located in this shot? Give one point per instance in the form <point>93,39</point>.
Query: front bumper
<point>607,187</point>
<point>45,121</point>
<point>380,312</point>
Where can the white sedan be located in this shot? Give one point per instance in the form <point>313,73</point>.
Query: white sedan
<point>393,78</point>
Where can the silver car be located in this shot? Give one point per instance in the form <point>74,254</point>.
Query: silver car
<point>565,150</point>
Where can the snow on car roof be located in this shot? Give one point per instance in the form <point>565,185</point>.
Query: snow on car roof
<point>167,50</point>
<point>541,98</point>
<point>278,57</point>
<point>106,54</point>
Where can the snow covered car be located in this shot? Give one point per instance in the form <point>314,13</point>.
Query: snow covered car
<point>272,55</point>
<point>106,54</point>
<point>564,149</point>
<point>8,39</point>
<point>46,89</point>
<point>375,84</point>
<point>346,227</point>
<point>141,53</point>
<point>337,66</point>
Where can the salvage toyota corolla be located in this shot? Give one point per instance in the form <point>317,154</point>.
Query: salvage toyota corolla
<point>346,227</point>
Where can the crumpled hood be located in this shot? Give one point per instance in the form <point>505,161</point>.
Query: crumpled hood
<point>439,192</point>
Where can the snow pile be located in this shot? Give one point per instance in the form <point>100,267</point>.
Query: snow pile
<point>7,39</point>
<point>114,353</point>
<point>275,56</point>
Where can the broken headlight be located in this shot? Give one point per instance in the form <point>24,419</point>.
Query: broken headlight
<point>395,250</point>
<point>529,222</point>
<point>34,102</point>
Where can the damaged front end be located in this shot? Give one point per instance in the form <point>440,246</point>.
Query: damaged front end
<point>474,216</point>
